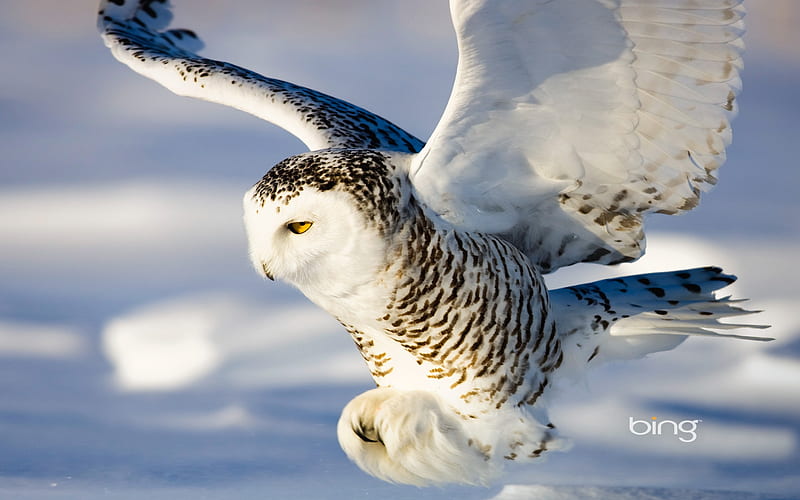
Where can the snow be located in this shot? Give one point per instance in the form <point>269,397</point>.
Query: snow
<point>28,339</point>
<point>173,344</point>
<point>518,492</point>
<point>140,355</point>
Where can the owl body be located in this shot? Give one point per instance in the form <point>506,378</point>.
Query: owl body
<point>461,315</point>
<point>569,122</point>
<point>427,304</point>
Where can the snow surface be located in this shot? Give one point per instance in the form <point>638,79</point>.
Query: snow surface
<point>141,357</point>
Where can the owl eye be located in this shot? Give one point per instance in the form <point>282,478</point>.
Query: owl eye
<point>299,227</point>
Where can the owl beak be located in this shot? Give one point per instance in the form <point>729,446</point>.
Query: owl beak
<point>267,273</point>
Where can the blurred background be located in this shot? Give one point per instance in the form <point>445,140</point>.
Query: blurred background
<point>140,354</point>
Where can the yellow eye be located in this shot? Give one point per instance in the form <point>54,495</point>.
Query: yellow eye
<point>299,227</point>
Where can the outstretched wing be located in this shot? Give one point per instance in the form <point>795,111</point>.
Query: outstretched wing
<point>570,120</point>
<point>135,32</point>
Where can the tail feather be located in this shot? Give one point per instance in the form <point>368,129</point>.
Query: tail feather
<point>630,317</point>
<point>697,318</point>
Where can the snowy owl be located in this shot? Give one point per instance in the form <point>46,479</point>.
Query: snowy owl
<point>568,123</point>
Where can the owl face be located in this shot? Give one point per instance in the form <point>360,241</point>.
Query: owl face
<point>315,240</point>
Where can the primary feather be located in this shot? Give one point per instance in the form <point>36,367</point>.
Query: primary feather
<point>134,31</point>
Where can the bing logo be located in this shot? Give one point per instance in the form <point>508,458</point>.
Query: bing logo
<point>685,430</point>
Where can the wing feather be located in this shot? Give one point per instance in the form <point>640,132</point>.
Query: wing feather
<point>132,29</point>
<point>572,119</point>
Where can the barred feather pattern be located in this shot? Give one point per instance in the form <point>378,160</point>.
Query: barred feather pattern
<point>472,312</point>
<point>467,320</point>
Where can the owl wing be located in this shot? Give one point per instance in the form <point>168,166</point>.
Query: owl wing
<point>570,120</point>
<point>135,31</point>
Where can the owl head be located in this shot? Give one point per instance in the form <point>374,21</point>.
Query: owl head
<point>321,221</point>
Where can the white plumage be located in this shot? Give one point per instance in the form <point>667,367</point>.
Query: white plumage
<point>589,115</point>
<point>569,121</point>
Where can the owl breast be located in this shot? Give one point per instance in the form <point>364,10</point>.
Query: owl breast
<point>465,315</point>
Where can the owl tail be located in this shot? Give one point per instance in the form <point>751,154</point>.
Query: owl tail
<point>629,317</point>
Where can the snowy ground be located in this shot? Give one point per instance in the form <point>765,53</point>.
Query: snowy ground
<point>141,357</point>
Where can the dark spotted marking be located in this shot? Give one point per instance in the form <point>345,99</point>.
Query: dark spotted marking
<point>364,174</point>
<point>689,203</point>
<point>485,331</point>
<point>146,7</point>
<point>692,287</point>
<point>596,255</point>
<point>339,123</point>
<point>531,400</point>
<point>729,103</point>
<point>367,433</point>
<point>541,449</point>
